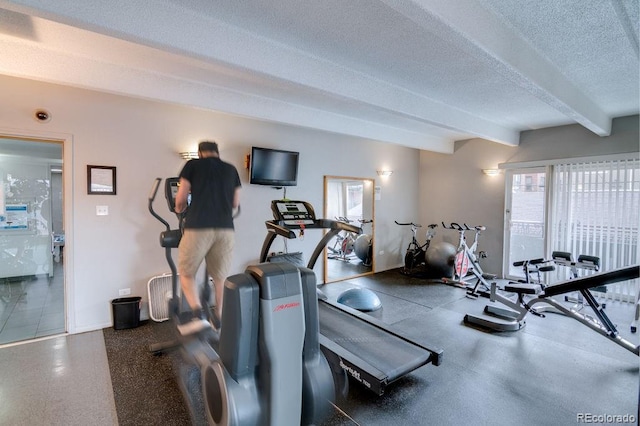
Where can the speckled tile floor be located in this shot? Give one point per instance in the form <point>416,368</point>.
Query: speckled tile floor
<point>63,380</point>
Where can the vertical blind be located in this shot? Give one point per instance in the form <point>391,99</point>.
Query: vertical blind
<point>595,211</point>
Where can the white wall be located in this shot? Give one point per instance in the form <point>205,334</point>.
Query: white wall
<point>142,139</point>
<point>454,189</point>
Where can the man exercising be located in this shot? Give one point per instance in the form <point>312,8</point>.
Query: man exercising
<point>208,233</point>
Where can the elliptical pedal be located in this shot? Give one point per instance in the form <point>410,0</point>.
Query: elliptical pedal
<point>195,326</point>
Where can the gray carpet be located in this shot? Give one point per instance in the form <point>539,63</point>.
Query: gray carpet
<point>145,387</point>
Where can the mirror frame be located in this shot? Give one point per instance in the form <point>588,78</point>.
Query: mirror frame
<point>372,182</point>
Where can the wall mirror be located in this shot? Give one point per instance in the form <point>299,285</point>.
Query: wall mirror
<point>348,255</point>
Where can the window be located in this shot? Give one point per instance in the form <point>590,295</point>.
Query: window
<point>345,200</point>
<point>595,211</point>
<point>354,200</point>
<point>528,185</point>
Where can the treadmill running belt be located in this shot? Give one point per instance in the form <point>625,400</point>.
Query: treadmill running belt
<point>388,353</point>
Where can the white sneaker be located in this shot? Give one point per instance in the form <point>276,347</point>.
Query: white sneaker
<point>196,325</point>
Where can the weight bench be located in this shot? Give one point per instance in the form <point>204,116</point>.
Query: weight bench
<point>585,262</point>
<point>513,319</point>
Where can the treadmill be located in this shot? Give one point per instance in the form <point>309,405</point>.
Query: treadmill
<point>365,348</point>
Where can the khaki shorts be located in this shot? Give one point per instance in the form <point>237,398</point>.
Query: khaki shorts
<point>215,246</point>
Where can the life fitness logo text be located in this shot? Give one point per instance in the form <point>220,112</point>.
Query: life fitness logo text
<point>286,306</point>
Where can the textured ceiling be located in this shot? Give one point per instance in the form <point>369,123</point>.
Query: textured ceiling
<point>419,73</point>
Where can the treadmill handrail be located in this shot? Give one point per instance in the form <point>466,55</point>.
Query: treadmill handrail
<point>340,226</point>
<point>278,227</point>
<point>317,224</point>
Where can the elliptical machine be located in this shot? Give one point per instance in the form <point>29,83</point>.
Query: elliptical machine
<point>264,367</point>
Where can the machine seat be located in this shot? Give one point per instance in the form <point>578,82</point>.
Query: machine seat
<point>523,288</point>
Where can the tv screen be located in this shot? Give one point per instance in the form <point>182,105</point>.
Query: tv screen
<point>273,167</point>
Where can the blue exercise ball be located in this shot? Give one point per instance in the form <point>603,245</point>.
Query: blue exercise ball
<point>361,299</point>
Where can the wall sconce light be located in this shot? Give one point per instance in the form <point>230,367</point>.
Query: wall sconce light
<point>189,155</point>
<point>384,172</point>
<point>491,172</point>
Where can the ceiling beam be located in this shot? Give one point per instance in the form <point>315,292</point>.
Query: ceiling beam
<point>25,60</point>
<point>627,22</point>
<point>506,52</point>
<point>176,29</point>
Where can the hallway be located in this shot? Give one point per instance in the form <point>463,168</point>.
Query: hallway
<point>32,307</point>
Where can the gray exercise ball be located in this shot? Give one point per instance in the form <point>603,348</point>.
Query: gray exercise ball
<point>363,249</point>
<point>439,259</point>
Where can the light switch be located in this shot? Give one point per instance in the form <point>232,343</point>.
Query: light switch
<point>102,210</point>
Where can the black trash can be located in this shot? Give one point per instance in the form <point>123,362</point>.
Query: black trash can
<point>126,312</point>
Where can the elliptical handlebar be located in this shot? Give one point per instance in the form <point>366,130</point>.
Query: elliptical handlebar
<point>154,189</point>
<point>152,197</point>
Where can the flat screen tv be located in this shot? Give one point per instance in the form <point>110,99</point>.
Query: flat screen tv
<point>273,167</point>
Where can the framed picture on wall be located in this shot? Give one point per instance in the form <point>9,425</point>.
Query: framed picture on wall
<point>101,180</point>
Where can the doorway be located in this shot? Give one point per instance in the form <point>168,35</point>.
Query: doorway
<point>525,216</point>
<point>32,239</point>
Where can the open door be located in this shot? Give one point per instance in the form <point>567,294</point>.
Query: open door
<point>31,239</point>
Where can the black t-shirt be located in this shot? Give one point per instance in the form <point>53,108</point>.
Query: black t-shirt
<point>213,185</point>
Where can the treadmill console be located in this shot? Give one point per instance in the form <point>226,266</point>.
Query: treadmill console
<point>292,213</point>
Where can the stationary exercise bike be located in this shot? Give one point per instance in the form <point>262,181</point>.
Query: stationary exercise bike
<point>415,255</point>
<point>264,366</point>
<point>467,264</point>
<point>344,246</point>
